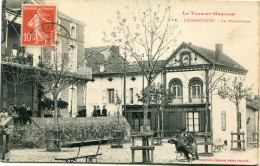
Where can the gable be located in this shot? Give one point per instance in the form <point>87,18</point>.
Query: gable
<point>184,56</point>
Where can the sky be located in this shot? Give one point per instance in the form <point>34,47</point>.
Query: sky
<point>240,40</point>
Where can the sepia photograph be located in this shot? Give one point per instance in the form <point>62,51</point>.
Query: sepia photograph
<point>160,82</point>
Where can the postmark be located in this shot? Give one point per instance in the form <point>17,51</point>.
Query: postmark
<point>38,28</point>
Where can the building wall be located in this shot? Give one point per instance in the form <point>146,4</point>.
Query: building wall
<point>27,95</point>
<point>23,95</point>
<point>185,77</point>
<point>251,117</point>
<point>218,105</point>
<point>97,91</point>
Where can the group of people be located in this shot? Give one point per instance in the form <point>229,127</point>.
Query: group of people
<point>82,112</point>
<point>97,112</point>
<point>21,114</point>
<point>186,144</point>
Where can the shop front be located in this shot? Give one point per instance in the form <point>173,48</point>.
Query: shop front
<point>189,117</point>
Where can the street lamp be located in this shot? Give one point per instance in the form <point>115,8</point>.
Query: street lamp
<point>72,89</point>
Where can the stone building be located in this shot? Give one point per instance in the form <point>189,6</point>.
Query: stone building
<point>185,73</point>
<point>73,46</point>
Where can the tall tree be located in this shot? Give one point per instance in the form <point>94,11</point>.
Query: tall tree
<point>146,34</point>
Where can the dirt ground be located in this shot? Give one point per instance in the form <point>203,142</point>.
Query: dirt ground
<point>162,154</point>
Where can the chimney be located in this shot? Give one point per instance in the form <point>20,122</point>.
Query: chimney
<point>218,51</point>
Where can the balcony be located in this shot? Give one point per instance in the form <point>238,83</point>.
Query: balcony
<point>177,100</point>
<point>196,99</point>
<point>23,59</point>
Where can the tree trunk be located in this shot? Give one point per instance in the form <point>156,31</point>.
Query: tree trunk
<point>238,126</point>
<point>206,107</point>
<point>146,107</point>
<point>55,105</point>
<point>15,94</point>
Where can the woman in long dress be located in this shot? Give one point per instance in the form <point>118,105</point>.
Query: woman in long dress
<point>36,22</point>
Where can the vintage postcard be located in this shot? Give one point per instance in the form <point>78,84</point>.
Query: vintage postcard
<point>130,82</point>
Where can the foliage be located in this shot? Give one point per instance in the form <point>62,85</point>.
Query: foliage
<point>159,96</point>
<point>49,103</point>
<point>235,91</point>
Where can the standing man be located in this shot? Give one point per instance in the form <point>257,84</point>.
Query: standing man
<point>98,111</point>
<point>104,111</point>
<point>94,112</point>
<point>23,114</point>
<point>83,111</point>
<point>29,115</point>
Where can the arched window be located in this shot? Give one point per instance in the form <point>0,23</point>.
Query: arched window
<point>175,86</point>
<point>195,88</point>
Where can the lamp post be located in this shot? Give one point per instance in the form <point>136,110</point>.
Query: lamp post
<point>72,89</point>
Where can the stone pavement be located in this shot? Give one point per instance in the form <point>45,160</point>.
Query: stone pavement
<point>162,154</point>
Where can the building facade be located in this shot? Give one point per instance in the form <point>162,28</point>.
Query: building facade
<point>69,40</point>
<point>190,73</point>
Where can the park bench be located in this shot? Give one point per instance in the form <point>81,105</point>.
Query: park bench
<point>89,157</point>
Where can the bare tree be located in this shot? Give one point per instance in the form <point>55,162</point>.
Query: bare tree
<point>235,92</point>
<point>15,75</point>
<point>54,74</point>
<point>146,34</point>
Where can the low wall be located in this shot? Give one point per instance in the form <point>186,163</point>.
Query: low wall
<point>73,129</point>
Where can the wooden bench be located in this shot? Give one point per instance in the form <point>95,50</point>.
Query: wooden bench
<point>89,158</point>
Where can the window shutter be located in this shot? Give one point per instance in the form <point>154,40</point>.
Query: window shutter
<point>115,96</point>
<point>183,121</point>
<point>127,96</point>
<point>134,95</point>
<point>104,96</point>
<point>202,120</point>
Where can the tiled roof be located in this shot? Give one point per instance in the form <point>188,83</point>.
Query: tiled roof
<point>253,103</point>
<point>210,56</point>
<point>115,65</point>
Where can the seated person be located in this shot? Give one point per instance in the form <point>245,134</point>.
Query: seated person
<point>3,114</point>
<point>181,145</point>
<point>192,144</point>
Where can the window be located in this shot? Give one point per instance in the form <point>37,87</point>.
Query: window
<point>195,88</point>
<point>14,50</point>
<point>72,58</point>
<point>111,96</point>
<point>176,88</point>
<point>223,120</point>
<point>15,46</point>
<point>73,31</point>
<point>131,95</point>
<point>192,121</point>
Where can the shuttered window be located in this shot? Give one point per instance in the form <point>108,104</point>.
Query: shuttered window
<point>131,95</point>
<point>111,95</point>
